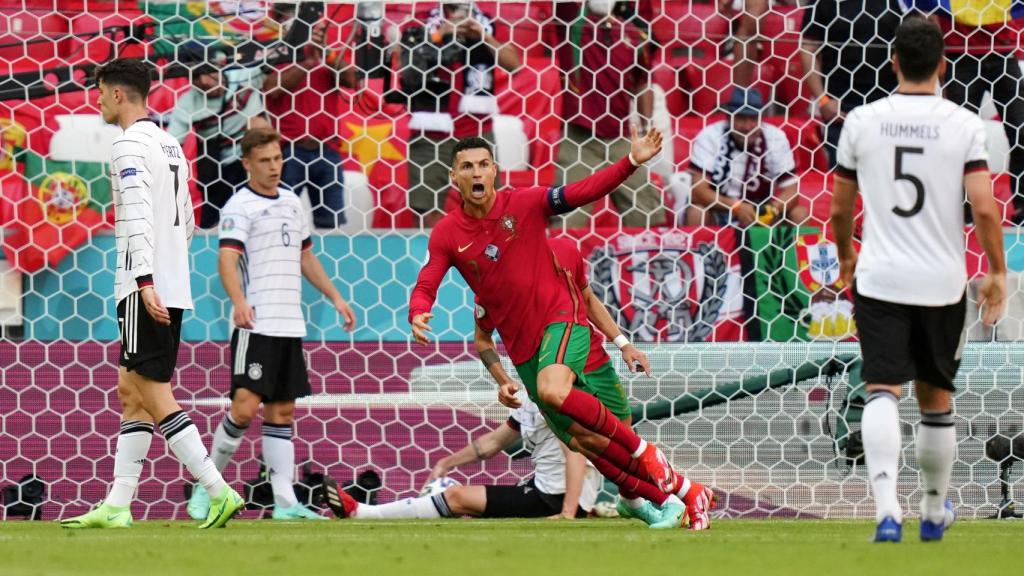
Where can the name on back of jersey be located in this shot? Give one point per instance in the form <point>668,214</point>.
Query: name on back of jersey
<point>906,130</point>
<point>171,151</point>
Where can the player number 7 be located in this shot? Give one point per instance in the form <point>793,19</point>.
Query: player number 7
<point>177,216</point>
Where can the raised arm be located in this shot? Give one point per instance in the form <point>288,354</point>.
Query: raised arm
<point>562,199</point>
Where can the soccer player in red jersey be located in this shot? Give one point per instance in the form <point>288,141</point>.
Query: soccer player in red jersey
<point>603,382</point>
<point>497,242</point>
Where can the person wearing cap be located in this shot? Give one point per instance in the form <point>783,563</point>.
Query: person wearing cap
<point>219,108</point>
<point>743,170</point>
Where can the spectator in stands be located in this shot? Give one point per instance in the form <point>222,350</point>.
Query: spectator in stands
<point>304,99</point>
<point>447,74</point>
<point>746,16</point>
<point>610,71</point>
<point>219,108</point>
<point>844,49</point>
<point>983,58</point>
<point>743,170</point>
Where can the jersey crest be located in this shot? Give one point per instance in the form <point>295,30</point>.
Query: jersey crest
<point>818,261</point>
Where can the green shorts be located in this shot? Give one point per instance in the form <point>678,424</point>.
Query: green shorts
<point>604,383</point>
<point>571,348</point>
<point>562,343</point>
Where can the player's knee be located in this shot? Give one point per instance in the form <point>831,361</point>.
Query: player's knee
<point>128,395</point>
<point>456,503</point>
<point>553,393</point>
<point>281,413</point>
<point>243,410</point>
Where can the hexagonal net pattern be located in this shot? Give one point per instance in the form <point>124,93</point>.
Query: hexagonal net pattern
<point>716,257</point>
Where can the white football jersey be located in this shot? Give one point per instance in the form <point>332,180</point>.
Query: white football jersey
<point>271,233</point>
<point>909,154</point>
<point>548,459</point>
<point>153,210</point>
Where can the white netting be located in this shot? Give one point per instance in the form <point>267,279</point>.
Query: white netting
<point>551,84</point>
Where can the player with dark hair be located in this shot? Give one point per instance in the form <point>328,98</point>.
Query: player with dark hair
<point>601,381</point>
<point>912,156</point>
<point>498,243</point>
<point>154,226</point>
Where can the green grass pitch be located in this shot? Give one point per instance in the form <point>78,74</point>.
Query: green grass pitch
<point>509,547</point>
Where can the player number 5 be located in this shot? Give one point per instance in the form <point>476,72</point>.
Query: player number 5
<point>914,181</point>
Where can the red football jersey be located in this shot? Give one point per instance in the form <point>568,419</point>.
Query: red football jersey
<point>571,260</point>
<point>506,261</point>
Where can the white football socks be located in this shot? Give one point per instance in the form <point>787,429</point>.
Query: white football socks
<point>132,447</point>
<point>409,508</point>
<point>880,429</point>
<point>279,454</point>
<point>183,439</point>
<point>936,450</point>
<point>226,440</point>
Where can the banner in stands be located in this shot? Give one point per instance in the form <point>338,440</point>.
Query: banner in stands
<point>796,287</point>
<point>667,285</point>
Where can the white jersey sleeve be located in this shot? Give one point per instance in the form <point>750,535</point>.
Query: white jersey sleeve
<point>234,224</point>
<point>846,154</point>
<point>977,151</point>
<point>134,183</point>
<point>307,230</point>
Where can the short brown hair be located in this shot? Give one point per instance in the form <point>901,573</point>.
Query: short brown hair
<point>130,73</point>
<point>257,137</point>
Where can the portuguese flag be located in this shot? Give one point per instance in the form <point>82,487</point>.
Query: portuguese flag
<point>62,204</point>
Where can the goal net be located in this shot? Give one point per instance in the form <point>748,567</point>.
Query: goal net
<point>755,388</point>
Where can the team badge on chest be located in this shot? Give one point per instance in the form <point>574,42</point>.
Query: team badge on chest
<point>508,224</point>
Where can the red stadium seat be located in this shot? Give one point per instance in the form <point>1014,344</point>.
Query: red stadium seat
<point>31,38</point>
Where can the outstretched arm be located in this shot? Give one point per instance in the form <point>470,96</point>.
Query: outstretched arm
<point>479,449</point>
<point>562,199</point>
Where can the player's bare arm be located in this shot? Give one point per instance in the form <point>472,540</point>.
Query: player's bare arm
<point>227,266</point>
<point>575,473</point>
<point>603,321</point>
<point>844,199</point>
<point>507,387</point>
<point>479,449</point>
<point>313,271</point>
<point>988,223</point>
